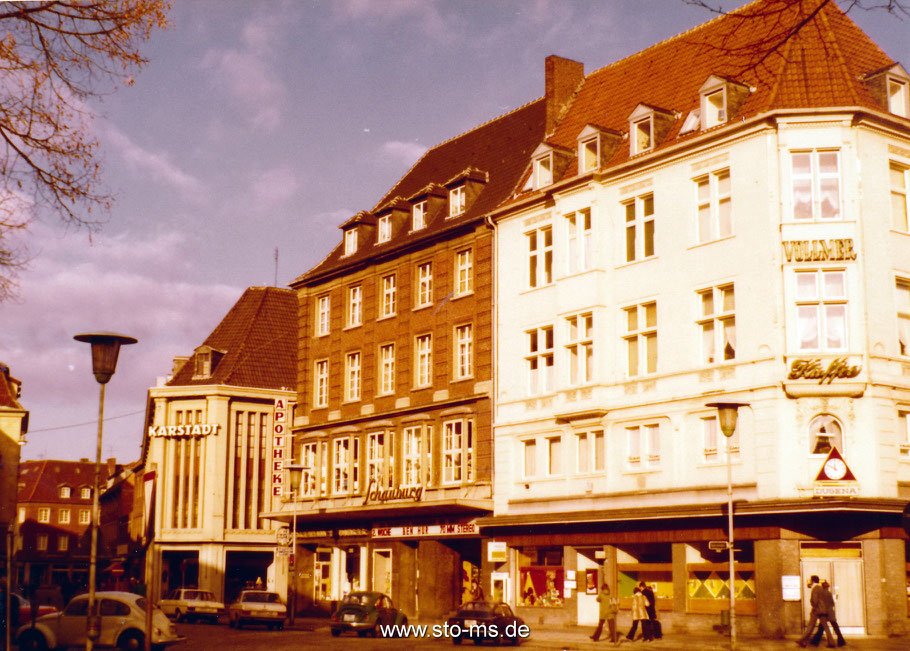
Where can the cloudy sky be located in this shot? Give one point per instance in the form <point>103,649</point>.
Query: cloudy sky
<point>263,125</point>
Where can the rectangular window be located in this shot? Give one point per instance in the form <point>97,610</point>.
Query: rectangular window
<point>355,306</point>
<point>540,257</point>
<point>42,542</point>
<point>419,216</point>
<point>380,459</point>
<point>579,240</point>
<point>714,206</point>
<point>543,171</point>
<point>643,446</point>
<point>540,360</point>
<point>350,241</point>
<point>308,459</point>
<point>352,376</point>
<point>641,338</point>
<point>321,383</point>
<point>898,97</point>
<point>899,182</point>
<point>411,456</point>
<point>63,543</point>
<point>464,351</point>
<point>384,230</point>
<point>580,348</point>
<point>388,296</point>
<point>903,316</point>
<point>816,184</point>
<point>529,454</point>
<point>423,352</point>
<point>715,108</point>
<point>458,451</point>
<point>903,433</point>
<point>464,272</point>
<point>457,200</point>
<point>589,156</point>
<point>717,322</point>
<point>821,310</point>
<point>387,368</point>
<point>715,443</point>
<point>65,492</point>
<point>639,228</point>
<point>341,449</point>
<point>323,305</point>
<point>85,516</point>
<point>424,284</point>
<point>554,455</point>
<point>642,139</point>
<point>63,517</point>
<point>44,515</point>
<point>86,493</point>
<point>589,452</point>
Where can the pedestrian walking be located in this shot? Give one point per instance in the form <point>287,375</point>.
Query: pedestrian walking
<point>639,616</point>
<point>609,607</point>
<point>652,623</point>
<point>832,618</point>
<point>818,614</point>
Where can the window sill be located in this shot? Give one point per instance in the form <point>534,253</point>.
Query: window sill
<point>457,296</point>
<point>635,262</point>
<point>352,326</point>
<point>457,380</point>
<point>422,387</point>
<point>417,308</point>
<point>575,274</point>
<point>528,290</point>
<point>641,471</point>
<point>698,245</point>
<point>897,231</point>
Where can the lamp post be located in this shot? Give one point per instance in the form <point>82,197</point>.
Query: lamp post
<point>726,417</point>
<point>295,473</point>
<point>105,350</point>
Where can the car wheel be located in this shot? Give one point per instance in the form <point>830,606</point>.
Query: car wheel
<point>359,633</point>
<point>178,616</point>
<point>478,641</point>
<point>231,623</point>
<point>336,632</point>
<point>131,641</point>
<point>375,631</point>
<point>280,627</point>
<point>32,641</point>
<point>456,640</point>
<point>239,624</point>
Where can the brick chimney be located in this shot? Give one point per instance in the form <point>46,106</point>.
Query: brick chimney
<point>563,77</point>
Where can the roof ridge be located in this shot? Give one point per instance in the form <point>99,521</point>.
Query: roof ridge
<point>835,43</point>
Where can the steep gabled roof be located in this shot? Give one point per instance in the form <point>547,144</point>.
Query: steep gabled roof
<point>39,481</point>
<point>258,337</point>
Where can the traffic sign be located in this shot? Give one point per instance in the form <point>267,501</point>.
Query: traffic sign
<point>718,545</point>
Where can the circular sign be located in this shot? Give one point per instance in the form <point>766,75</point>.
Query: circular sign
<point>835,468</point>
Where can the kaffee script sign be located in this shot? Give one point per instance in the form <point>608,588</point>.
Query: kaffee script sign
<point>812,369</point>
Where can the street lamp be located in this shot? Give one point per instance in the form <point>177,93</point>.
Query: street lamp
<point>295,472</point>
<point>105,350</point>
<point>727,413</point>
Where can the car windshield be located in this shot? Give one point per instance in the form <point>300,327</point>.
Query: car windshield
<point>359,599</point>
<point>476,607</point>
<point>199,595</point>
<point>262,597</point>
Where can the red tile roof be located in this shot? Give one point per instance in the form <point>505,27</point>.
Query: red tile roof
<point>40,481</point>
<point>258,337</point>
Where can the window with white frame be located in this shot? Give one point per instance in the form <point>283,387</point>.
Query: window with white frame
<point>589,452</point>
<point>419,216</point>
<point>355,306</point>
<point>457,198</point>
<point>387,369</point>
<point>898,97</point>
<point>714,206</point>
<point>352,376</point>
<point>715,108</point>
<point>350,241</point>
<point>411,456</point>
<point>639,228</point>
<point>717,322</point>
<point>543,170</point>
<point>380,459</point>
<point>529,457</point>
<point>389,291</point>
<point>540,360</point>
<point>464,351</point>
<point>424,284</point>
<point>643,446</point>
<point>903,432</point>
<point>903,316</point>
<point>85,516</point>
<point>580,348</point>
<point>341,460</point>
<point>323,470</point>
<point>554,455</point>
<point>900,180</point>
<point>423,366</point>
<point>63,516</point>
<point>457,451</point>
<point>321,383</point>
<point>642,137</point>
<point>42,542</point>
<point>815,176</point>
<point>579,241</point>
<point>825,432</point>
<point>64,492</point>
<point>540,257</point>
<point>384,230</point>
<point>641,338</point>
<point>589,154</point>
<point>714,441</point>
<point>309,456</point>
<point>44,514</point>
<point>464,272</point>
<point>323,311</point>
<point>86,493</point>
<point>63,543</point>
<point>821,310</point>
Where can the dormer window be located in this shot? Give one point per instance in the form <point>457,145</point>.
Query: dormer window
<point>457,201</point>
<point>65,492</point>
<point>691,123</point>
<point>543,170</point>
<point>203,364</point>
<point>419,216</point>
<point>384,233</point>
<point>721,98</point>
<point>595,147</point>
<point>589,154</point>
<point>890,88</point>
<point>715,108</point>
<point>350,241</point>
<point>898,97</point>
<point>642,136</point>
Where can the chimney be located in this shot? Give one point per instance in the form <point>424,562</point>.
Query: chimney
<point>563,77</point>
<point>111,467</point>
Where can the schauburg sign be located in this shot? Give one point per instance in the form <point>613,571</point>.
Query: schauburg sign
<point>375,494</point>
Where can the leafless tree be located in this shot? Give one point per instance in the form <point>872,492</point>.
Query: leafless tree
<point>54,56</point>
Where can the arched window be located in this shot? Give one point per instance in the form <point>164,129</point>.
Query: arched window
<point>825,432</point>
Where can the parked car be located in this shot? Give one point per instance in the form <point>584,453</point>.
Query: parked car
<point>484,620</point>
<point>122,625</point>
<point>191,604</point>
<point>363,612</point>
<point>25,610</point>
<point>257,607</point>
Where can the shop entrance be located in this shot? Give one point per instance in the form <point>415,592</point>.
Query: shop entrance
<point>245,569</point>
<point>180,569</point>
<point>382,571</point>
<point>842,566</point>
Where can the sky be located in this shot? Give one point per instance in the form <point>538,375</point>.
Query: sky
<point>263,125</point>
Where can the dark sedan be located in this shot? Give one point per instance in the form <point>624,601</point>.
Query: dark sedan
<point>364,613</point>
<point>483,620</point>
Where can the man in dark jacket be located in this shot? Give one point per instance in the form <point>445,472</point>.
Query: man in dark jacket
<point>818,614</point>
<point>832,618</point>
<point>652,624</point>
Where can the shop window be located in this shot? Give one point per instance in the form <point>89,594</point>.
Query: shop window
<point>825,432</point>
<point>709,579</point>
<point>541,577</point>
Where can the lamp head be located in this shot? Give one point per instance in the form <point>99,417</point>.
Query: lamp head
<point>105,350</point>
<point>295,473</point>
<point>726,415</point>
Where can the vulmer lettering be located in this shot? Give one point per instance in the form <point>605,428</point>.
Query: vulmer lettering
<point>811,369</point>
<point>184,430</point>
<point>818,250</point>
<point>375,494</point>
